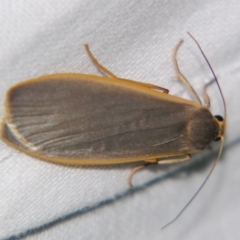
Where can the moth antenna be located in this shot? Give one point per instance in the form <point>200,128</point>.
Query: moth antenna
<point>214,75</point>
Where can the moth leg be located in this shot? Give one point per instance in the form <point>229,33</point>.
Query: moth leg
<point>156,161</point>
<point>206,97</point>
<point>97,64</point>
<point>112,75</point>
<point>181,77</point>
<point>175,160</point>
<point>134,170</point>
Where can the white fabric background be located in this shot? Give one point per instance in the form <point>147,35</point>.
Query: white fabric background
<point>135,40</point>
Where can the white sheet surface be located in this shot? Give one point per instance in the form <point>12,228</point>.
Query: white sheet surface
<point>135,40</point>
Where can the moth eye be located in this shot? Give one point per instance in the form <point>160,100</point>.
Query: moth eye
<point>219,118</point>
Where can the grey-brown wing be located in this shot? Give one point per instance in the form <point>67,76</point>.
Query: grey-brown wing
<point>79,119</point>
